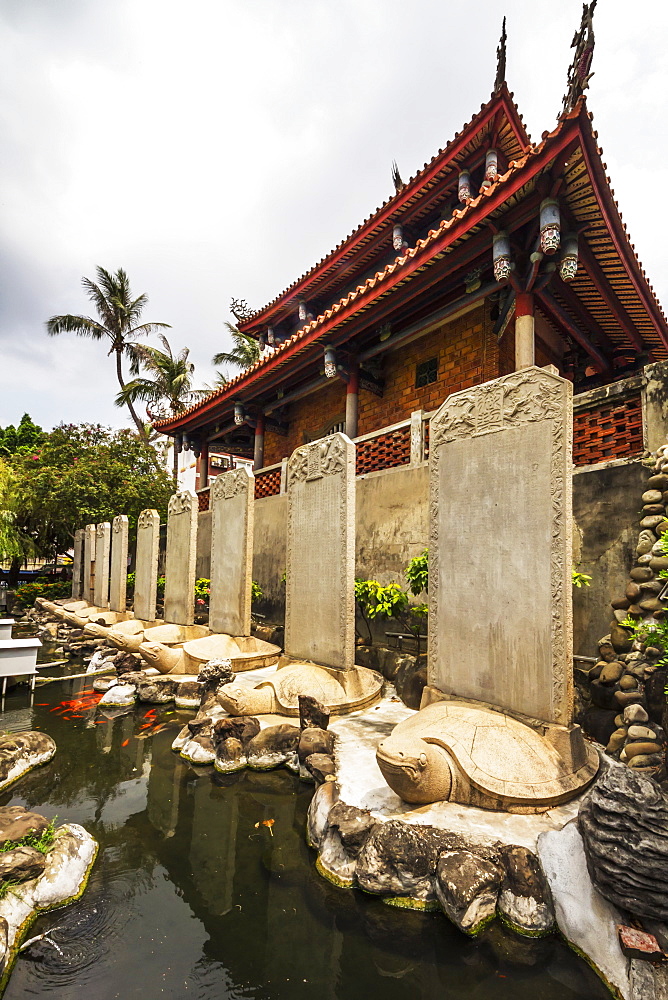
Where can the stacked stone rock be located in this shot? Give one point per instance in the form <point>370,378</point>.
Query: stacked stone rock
<point>623,678</point>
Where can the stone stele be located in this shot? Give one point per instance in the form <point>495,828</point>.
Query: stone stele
<point>102,554</point>
<point>461,752</point>
<point>232,498</point>
<point>320,573</point>
<point>180,562</point>
<point>77,564</point>
<point>119,563</point>
<point>500,612</point>
<point>146,565</point>
<point>89,563</point>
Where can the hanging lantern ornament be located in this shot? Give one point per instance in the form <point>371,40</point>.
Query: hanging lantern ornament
<point>501,256</point>
<point>568,265</point>
<point>464,187</point>
<point>550,226</point>
<point>491,165</point>
<point>239,415</point>
<point>330,362</point>
<point>398,238</point>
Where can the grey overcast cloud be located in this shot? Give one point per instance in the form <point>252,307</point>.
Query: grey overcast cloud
<point>220,148</point>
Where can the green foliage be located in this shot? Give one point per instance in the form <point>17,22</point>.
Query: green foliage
<point>256,592</point>
<point>245,351</point>
<point>377,602</point>
<point>650,632</point>
<point>664,548</point>
<point>7,887</point>
<point>580,579</point>
<point>42,842</point>
<point>417,574</point>
<point>202,591</point>
<point>83,474</point>
<point>19,439</point>
<point>27,593</point>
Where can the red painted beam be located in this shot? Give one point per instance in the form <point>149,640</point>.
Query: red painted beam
<point>568,296</point>
<point>602,286</point>
<point>558,315</point>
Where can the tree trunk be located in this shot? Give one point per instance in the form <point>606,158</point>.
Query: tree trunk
<point>14,569</point>
<point>176,466</point>
<point>138,421</point>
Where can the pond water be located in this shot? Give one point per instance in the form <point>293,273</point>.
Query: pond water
<point>189,897</point>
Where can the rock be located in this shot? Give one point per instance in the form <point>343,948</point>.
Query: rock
<point>616,741</point>
<point>399,859</point>
<point>315,741</point>
<point>632,593</point>
<point>17,822</point>
<point>602,696</point>
<point>467,888</point>
<point>20,864</point>
<point>317,821</point>
<point>199,750</point>
<point>624,698</point>
<point>272,747</point>
<point>624,824</point>
<point>120,696</point>
<point>658,563</point>
<point>20,752</point>
<point>525,901</point>
<point>646,761</point>
<point>600,723</point>
<point>641,573</point>
<point>641,746</point>
<point>230,755</point>
<point>628,683</point>
<point>353,826</point>
<point>635,713</point>
<point>212,675</point>
<point>156,690</point>
<point>606,652</point>
<point>651,521</point>
<point>102,684</point>
<point>126,662</point>
<point>652,496</point>
<point>620,604</point>
<point>620,639</point>
<point>651,604</point>
<point>200,726</point>
<point>612,672</point>
<point>320,766</point>
<point>654,508</point>
<point>312,713</point>
<point>187,694</point>
<point>242,728</point>
<point>658,482</point>
<point>641,733</point>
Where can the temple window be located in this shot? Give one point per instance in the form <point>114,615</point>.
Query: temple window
<point>426,373</point>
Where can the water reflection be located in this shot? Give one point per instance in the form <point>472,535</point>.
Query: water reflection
<point>189,898</point>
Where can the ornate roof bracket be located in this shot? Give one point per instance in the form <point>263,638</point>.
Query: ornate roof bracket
<point>579,73</point>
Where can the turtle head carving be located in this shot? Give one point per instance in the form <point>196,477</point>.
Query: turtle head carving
<point>163,658</point>
<point>237,699</point>
<point>417,771</point>
<point>99,631</point>
<point>125,642</point>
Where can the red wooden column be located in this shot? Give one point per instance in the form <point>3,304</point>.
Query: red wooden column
<point>525,355</point>
<point>258,453</point>
<point>352,390</point>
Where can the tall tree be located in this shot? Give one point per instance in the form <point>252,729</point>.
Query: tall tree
<point>245,351</point>
<point>167,383</point>
<point>19,439</point>
<point>118,322</point>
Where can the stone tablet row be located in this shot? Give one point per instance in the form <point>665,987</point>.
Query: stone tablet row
<point>500,620</point>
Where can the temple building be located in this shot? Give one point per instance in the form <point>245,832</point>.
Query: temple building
<point>499,254</point>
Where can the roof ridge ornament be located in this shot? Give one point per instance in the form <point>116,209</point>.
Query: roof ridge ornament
<point>240,310</point>
<point>578,72</point>
<point>501,59</point>
<point>396,178</point>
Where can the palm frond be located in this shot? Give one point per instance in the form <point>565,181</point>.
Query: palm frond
<point>83,326</point>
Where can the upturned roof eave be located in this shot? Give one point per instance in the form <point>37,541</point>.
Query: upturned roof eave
<point>500,100</point>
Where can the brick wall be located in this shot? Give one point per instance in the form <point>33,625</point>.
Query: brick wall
<point>612,429</point>
<point>467,353</point>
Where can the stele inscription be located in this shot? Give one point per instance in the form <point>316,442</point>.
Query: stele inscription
<point>146,565</point>
<point>119,564</point>
<point>232,499</point>
<point>180,562</point>
<point>500,605</point>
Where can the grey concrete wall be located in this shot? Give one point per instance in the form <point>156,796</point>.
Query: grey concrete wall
<point>269,549</point>
<point>606,502</point>
<point>392,522</point>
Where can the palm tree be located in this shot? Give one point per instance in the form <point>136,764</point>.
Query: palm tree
<point>171,382</point>
<point>245,352</point>
<point>118,315</point>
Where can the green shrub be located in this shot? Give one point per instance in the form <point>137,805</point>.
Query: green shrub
<point>417,574</point>
<point>27,593</point>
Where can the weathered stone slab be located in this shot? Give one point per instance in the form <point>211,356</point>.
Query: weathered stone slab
<point>320,574</point>
<point>102,554</point>
<point>500,612</point>
<point>232,499</point>
<point>89,563</point>
<point>180,561</point>
<point>146,565</point>
<point>77,564</point>
<point>119,563</point>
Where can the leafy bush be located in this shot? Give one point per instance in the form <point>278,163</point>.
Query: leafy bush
<point>417,573</point>
<point>27,593</point>
<point>374,601</point>
<point>580,579</point>
<point>257,592</point>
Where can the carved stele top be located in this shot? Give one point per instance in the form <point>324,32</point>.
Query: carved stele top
<point>179,503</point>
<point>230,484</point>
<point>506,402</point>
<point>118,522</point>
<point>313,461</point>
<point>148,518</point>
<point>100,529</point>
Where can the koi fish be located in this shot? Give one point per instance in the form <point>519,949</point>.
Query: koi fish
<point>101,722</point>
<point>146,725</point>
<point>125,743</point>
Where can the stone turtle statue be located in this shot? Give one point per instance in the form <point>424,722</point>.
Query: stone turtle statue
<point>340,691</point>
<point>461,752</point>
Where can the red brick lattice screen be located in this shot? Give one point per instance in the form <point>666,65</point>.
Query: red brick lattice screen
<point>610,430</point>
<point>268,484</point>
<point>203,499</point>
<point>384,451</point>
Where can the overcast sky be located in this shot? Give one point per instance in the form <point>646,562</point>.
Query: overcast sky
<point>220,148</point>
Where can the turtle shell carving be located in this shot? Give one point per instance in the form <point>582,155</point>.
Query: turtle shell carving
<point>340,691</point>
<point>460,752</point>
